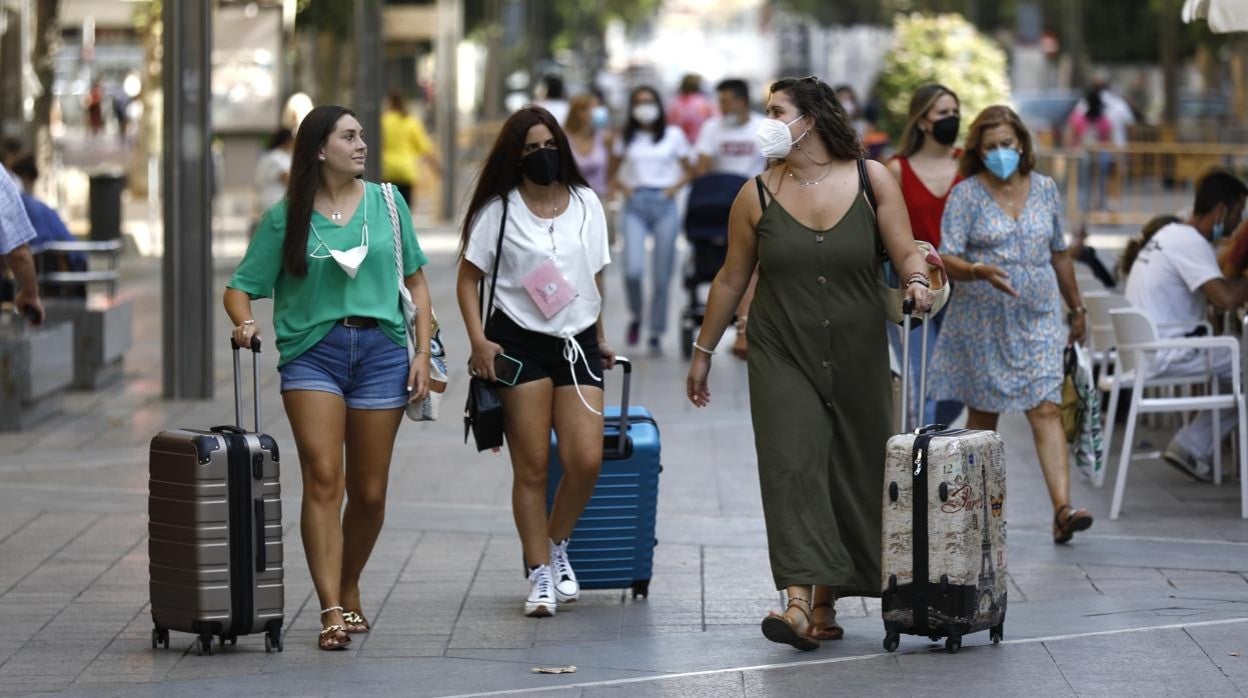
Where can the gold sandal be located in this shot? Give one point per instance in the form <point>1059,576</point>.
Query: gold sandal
<point>778,628</point>
<point>356,622</point>
<point>328,639</point>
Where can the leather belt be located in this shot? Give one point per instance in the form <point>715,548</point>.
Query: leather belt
<point>358,322</point>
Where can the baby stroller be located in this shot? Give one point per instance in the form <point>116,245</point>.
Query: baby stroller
<point>706,229</point>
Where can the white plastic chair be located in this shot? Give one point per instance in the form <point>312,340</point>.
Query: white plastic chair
<point>1102,342</point>
<point>1137,343</point>
<point>1101,328</point>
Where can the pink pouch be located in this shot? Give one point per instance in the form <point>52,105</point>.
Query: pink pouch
<point>549,289</point>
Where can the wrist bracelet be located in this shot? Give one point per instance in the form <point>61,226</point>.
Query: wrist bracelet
<point>973,267</point>
<point>248,322</point>
<point>702,349</point>
<point>922,282</point>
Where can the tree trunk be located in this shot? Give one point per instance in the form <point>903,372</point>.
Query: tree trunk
<point>43,60</point>
<point>151,96</point>
<point>1169,19</point>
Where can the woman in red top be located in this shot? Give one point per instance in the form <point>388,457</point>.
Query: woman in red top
<point>927,168</point>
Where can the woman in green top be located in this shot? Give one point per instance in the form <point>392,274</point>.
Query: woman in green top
<point>819,378</point>
<point>345,373</point>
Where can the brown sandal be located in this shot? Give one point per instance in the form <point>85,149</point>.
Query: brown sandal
<point>1077,520</point>
<point>356,622</point>
<point>333,637</point>
<point>778,628</point>
<point>829,630</point>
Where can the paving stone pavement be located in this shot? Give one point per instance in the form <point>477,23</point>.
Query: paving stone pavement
<point>1155,603</point>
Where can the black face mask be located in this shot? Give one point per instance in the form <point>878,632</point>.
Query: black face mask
<point>542,166</point>
<point>945,131</point>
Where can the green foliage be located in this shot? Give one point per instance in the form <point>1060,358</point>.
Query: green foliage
<point>333,17</point>
<point>944,49</point>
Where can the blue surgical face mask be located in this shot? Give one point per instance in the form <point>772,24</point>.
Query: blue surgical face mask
<point>1219,230</point>
<point>599,117</point>
<point>1002,162</point>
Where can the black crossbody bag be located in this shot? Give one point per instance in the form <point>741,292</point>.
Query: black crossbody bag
<point>483,413</point>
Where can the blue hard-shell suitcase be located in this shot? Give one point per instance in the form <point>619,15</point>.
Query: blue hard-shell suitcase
<point>612,546</point>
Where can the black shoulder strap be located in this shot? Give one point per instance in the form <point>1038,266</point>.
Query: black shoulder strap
<point>864,182</point>
<point>498,255</point>
<point>762,196</point>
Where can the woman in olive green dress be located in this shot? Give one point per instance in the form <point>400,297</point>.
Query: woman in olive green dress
<point>820,393</point>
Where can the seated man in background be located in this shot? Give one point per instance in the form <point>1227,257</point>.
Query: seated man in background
<point>47,222</point>
<point>1174,278</point>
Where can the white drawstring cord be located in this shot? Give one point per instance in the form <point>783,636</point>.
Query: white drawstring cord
<point>571,352</point>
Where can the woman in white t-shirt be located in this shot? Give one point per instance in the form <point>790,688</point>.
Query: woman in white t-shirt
<point>273,170</point>
<point>544,328</point>
<point>649,166</point>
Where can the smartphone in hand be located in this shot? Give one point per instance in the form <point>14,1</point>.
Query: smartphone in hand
<point>507,369</point>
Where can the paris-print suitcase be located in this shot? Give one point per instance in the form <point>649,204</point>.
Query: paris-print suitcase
<point>944,558</point>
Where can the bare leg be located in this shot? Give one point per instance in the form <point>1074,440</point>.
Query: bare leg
<point>318,420</point>
<point>527,410</point>
<point>976,419</point>
<point>1050,439</point>
<point>580,453</point>
<point>370,443</point>
<point>1046,430</point>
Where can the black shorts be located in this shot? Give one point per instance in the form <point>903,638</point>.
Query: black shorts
<point>542,354</point>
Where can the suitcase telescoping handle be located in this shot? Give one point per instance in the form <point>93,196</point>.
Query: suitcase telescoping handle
<point>907,312</point>
<point>623,362</point>
<point>238,382</point>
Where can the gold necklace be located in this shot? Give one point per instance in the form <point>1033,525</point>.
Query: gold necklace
<point>806,183</point>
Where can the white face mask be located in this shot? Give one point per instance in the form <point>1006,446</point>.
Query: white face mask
<point>646,113</point>
<point>348,260</point>
<point>774,140</point>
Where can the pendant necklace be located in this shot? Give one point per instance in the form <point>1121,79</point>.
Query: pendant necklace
<point>806,183</point>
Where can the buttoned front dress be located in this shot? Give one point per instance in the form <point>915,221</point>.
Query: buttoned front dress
<point>820,398</point>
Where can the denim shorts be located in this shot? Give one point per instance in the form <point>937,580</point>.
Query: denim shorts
<point>361,364</point>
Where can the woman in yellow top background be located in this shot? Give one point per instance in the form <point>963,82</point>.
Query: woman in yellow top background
<point>404,141</point>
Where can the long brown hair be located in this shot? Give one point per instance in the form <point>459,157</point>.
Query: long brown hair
<point>813,97</point>
<point>305,178</point>
<point>578,110</point>
<point>921,102</point>
<point>972,163</point>
<point>501,171</point>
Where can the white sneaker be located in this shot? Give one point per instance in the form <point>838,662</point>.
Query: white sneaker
<point>566,586</point>
<point>541,602</point>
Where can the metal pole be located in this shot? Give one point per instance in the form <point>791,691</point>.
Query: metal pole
<point>186,275</point>
<point>368,96</point>
<point>450,33</point>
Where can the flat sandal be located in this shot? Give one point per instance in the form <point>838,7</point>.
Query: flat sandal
<point>330,634</point>
<point>778,628</point>
<point>1078,520</point>
<point>356,622</point>
<point>830,630</point>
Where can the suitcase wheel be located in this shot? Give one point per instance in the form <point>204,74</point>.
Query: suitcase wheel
<point>953,643</point>
<point>996,633</point>
<point>891,640</point>
<point>205,645</point>
<point>160,637</point>
<point>273,641</point>
<point>641,588</point>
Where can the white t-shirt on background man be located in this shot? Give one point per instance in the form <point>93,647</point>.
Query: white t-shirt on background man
<point>579,250</point>
<point>1165,283</point>
<point>733,148</point>
<point>650,164</point>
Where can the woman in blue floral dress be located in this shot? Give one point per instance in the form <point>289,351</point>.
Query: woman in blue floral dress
<point>1001,346</point>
